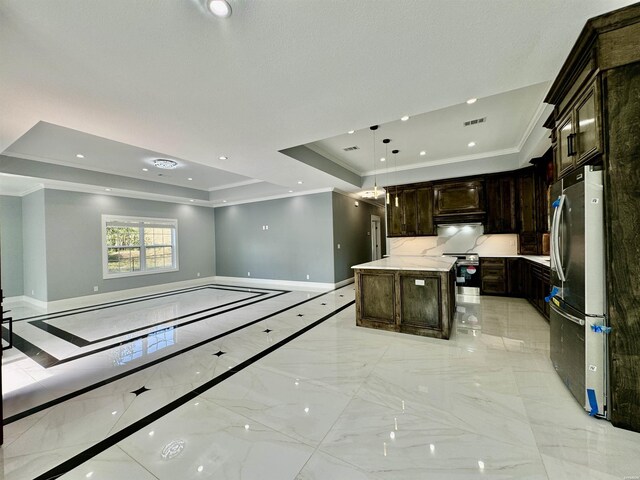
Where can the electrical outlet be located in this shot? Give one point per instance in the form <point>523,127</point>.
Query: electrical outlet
<point>338,246</point>
<point>33,292</point>
<point>267,227</point>
<point>248,274</point>
<point>307,276</point>
<point>198,274</point>
<point>95,288</point>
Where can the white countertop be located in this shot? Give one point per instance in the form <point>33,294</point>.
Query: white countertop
<point>416,263</point>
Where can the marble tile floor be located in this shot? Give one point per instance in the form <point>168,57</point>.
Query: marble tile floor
<point>335,402</point>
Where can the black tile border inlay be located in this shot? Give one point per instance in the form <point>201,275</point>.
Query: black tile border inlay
<point>151,296</point>
<point>47,360</point>
<point>82,342</point>
<point>112,440</point>
<point>107,381</point>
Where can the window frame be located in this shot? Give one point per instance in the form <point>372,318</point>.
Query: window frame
<point>142,222</point>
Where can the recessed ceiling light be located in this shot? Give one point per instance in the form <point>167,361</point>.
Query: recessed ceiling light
<point>423,153</point>
<point>80,155</point>
<point>145,169</point>
<point>189,178</point>
<point>472,100</point>
<point>351,131</point>
<point>290,191</point>
<point>193,201</point>
<point>222,158</point>
<point>224,201</point>
<point>107,189</point>
<point>471,144</point>
<point>382,159</point>
<point>300,182</point>
<point>164,163</point>
<point>405,118</point>
<point>220,8</point>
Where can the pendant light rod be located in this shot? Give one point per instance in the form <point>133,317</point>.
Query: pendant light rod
<point>386,156</point>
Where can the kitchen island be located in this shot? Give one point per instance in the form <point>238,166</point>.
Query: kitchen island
<point>407,294</point>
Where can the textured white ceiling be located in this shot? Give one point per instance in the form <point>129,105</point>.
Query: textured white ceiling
<point>166,77</point>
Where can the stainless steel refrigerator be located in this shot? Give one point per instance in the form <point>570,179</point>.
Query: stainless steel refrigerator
<point>578,301</point>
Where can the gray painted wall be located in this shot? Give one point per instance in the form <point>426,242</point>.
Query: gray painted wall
<point>11,245</point>
<point>352,230</point>
<point>74,236</point>
<point>34,247</point>
<point>297,243</point>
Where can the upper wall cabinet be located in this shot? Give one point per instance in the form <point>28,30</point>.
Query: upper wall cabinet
<point>501,204</point>
<point>578,130</point>
<point>410,211</point>
<point>459,201</point>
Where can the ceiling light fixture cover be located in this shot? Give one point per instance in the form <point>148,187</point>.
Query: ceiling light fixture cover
<point>405,118</point>
<point>220,8</point>
<point>164,163</point>
<point>472,101</point>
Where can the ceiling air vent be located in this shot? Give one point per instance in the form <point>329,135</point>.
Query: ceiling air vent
<point>351,149</point>
<point>475,122</point>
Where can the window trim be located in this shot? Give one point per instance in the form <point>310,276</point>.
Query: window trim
<point>172,222</point>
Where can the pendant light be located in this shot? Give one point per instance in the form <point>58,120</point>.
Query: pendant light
<point>386,155</point>
<point>395,168</point>
<point>373,128</point>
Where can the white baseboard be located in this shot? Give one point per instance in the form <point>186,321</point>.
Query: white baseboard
<point>285,283</point>
<point>24,299</point>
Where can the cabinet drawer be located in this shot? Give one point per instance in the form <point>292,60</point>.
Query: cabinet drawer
<point>493,287</point>
<point>491,271</point>
<point>492,261</point>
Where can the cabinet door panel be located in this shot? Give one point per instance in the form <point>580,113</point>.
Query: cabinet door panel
<point>424,211</point>
<point>420,301</point>
<point>588,143</point>
<point>394,221</point>
<point>459,197</point>
<point>409,212</point>
<point>379,292</point>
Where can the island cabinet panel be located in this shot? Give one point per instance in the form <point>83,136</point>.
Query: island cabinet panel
<point>407,301</point>
<point>378,288</point>
<point>419,301</point>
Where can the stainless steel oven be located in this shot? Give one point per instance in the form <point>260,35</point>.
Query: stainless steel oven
<point>467,272</point>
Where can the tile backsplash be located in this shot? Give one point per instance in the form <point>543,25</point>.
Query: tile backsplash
<point>456,239</point>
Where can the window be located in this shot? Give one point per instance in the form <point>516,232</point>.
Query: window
<point>138,246</point>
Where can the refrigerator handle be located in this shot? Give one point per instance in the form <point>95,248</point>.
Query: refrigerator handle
<point>568,316</point>
<point>555,236</point>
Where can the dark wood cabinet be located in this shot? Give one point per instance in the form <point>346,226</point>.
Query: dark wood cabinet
<point>527,226</point>
<point>578,131</point>
<point>424,211</point>
<point>501,276</point>
<point>493,276</point>
<point>501,204</point>
<point>459,201</point>
<point>412,215</point>
<point>536,285</point>
<point>514,277</point>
